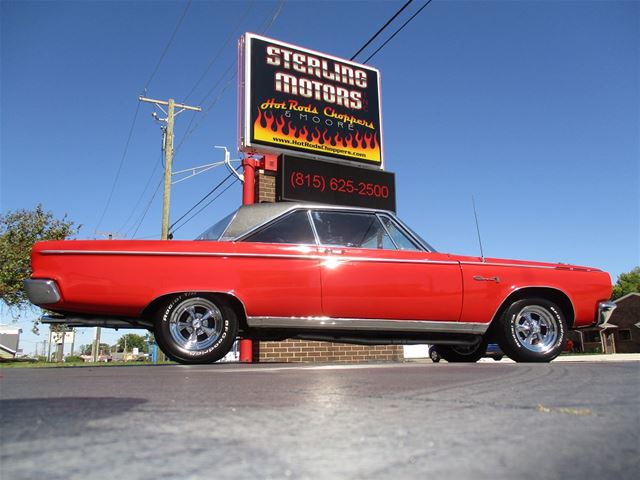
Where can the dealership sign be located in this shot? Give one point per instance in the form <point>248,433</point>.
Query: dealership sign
<point>308,103</point>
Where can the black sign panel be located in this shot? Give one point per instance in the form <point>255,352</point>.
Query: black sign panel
<point>323,182</point>
<point>309,103</point>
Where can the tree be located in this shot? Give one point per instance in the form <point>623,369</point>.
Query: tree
<point>133,341</point>
<point>627,283</point>
<point>19,230</point>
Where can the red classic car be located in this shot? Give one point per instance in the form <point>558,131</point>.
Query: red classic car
<point>287,270</point>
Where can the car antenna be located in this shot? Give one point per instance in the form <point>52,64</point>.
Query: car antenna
<point>475,214</point>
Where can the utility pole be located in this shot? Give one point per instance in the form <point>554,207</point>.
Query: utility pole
<point>168,151</point>
<point>49,350</point>
<point>95,353</point>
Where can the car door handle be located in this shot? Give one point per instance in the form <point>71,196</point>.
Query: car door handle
<point>480,278</point>
<point>334,251</point>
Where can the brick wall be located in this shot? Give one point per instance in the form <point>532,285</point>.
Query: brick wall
<point>308,351</point>
<point>299,351</point>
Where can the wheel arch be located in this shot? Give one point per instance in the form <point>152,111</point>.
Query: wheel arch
<point>235,302</point>
<point>555,295</point>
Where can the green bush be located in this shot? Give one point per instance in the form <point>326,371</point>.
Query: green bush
<point>73,358</point>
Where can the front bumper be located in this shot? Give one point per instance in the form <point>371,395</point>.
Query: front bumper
<point>42,291</point>
<point>605,309</point>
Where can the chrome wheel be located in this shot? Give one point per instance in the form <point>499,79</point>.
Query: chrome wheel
<point>536,328</point>
<point>196,324</point>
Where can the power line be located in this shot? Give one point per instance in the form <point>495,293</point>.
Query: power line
<point>397,31</point>
<point>201,200</point>
<point>276,14</point>
<point>135,116</point>
<point>115,180</point>
<point>166,48</point>
<point>202,117</point>
<point>381,29</point>
<point>219,52</point>
<point>267,24</point>
<point>153,172</point>
<point>210,202</point>
<point>146,210</point>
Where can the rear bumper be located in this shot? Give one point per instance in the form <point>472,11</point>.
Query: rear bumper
<point>42,291</point>
<point>605,309</point>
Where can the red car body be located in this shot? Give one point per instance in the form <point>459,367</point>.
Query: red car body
<point>127,281</point>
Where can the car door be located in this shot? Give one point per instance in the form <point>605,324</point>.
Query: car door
<point>278,271</point>
<point>365,273</point>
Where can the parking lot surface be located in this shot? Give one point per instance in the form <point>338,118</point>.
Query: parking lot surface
<point>483,421</point>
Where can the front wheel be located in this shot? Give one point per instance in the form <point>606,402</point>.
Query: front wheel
<point>195,328</point>
<point>532,330</point>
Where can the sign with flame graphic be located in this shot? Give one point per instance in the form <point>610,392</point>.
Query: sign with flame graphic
<point>310,103</point>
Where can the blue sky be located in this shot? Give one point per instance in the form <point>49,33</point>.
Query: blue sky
<point>530,106</point>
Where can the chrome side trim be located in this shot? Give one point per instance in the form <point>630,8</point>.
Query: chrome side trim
<point>490,264</point>
<point>42,291</point>
<point>178,254</point>
<point>377,325</point>
<point>605,309</point>
<point>283,256</point>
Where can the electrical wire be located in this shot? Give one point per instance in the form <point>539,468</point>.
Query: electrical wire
<point>276,14</point>
<point>135,116</point>
<point>397,31</point>
<point>200,211</point>
<point>381,29</point>
<point>146,210</point>
<point>201,200</point>
<point>117,177</point>
<point>219,52</point>
<point>267,24</point>
<point>133,210</point>
<point>166,48</point>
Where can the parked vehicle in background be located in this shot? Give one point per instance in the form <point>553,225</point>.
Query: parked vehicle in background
<point>433,354</point>
<point>291,270</point>
<point>494,351</point>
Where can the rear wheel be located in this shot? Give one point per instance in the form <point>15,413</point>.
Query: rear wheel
<point>463,353</point>
<point>532,330</point>
<point>195,328</point>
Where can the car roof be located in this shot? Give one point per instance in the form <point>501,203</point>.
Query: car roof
<point>250,217</point>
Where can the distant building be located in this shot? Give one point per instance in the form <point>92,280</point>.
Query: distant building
<point>9,341</point>
<point>621,334</point>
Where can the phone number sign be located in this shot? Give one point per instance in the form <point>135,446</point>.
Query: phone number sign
<point>301,179</point>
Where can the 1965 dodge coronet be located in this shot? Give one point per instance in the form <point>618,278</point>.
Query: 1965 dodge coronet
<point>287,270</point>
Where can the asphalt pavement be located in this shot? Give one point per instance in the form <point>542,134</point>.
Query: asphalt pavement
<point>376,421</point>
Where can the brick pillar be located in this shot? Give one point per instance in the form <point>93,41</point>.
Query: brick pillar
<point>265,187</point>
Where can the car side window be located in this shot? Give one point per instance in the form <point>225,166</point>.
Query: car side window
<point>346,229</point>
<point>294,228</point>
<point>399,237</point>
